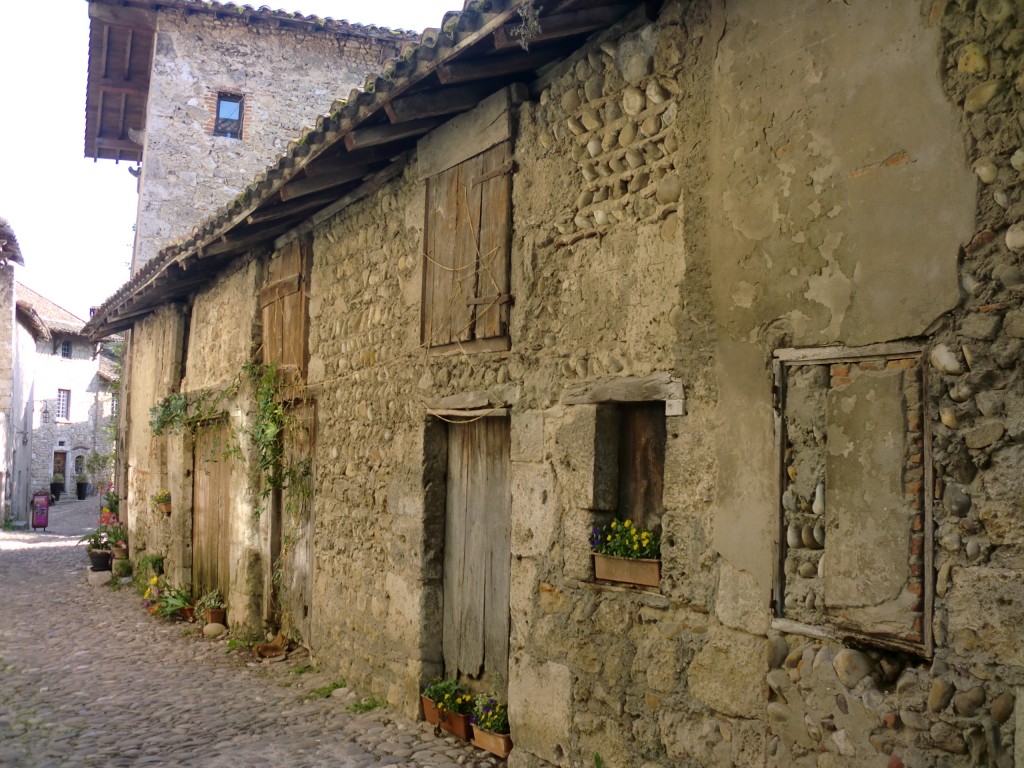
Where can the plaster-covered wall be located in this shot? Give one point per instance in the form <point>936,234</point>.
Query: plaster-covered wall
<point>287,78</point>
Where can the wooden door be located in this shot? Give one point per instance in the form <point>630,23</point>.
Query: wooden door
<point>60,465</point>
<point>293,558</point>
<point>477,550</point>
<point>211,518</point>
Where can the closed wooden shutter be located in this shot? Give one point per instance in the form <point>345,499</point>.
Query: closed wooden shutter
<point>466,274</point>
<point>284,305</point>
<point>211,519</point>
<point>478,551</point>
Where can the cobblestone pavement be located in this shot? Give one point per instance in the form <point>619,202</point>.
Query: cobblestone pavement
<point>87,678</point>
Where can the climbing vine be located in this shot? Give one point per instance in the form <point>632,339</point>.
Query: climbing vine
<point>265,429</point>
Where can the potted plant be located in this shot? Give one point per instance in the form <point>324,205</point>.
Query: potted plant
<point>447,704</point>
<point>627,554</point>
<point>490,725</point>
<point>162,501</point>
<point>173,601</point>
<point>56,485</point>
<point>117,535</point>
<point>98,548</point>
<point>211,607</point>
<point>81,486</point>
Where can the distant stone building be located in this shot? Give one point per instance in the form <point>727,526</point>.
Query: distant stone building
<point>56,392</point>
<point>73,380</point>
<point>205,95</point>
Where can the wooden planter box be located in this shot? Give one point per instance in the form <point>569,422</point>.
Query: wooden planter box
<point>644,573</point>
<point>457,725</point>
<point>499,744</point>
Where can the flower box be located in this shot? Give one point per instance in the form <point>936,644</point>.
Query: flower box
<point>644,573</point>
<point>457,725</point>
<point>499,744</point>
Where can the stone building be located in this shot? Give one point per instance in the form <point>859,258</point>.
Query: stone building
<point>206,94</point>
<point>15,386</point>
<point>75,398</point>
<point>763,265</point>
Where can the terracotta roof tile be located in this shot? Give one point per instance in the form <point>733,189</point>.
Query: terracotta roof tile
<point>56,317</point>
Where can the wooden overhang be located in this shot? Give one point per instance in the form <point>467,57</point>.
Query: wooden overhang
<point>121,40</point>
<point>367,140</point>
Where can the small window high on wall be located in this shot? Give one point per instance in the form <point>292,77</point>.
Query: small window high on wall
<point>65,349</point>
<point>63,404</point>
<point>854,516</point>
<point>229,116</point>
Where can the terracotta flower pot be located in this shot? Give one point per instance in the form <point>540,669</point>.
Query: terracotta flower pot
<point>499,744</point>
<point>458,725</point>
<point>215,616</point>
<point>188,613</point>
<point>165,507</point>
<point>644,573</point>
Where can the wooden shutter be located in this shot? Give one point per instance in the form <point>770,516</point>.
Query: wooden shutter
<point>642,463</point>
<point>211,519</point>
<point>284,304</point>
<point>466,274</point>
<point>478,551</point>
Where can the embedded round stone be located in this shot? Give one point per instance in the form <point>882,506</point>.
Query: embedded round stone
<point>851,666</point>
<point>967,703</point>
<point>1002,707</point>
<point>633,101</point>
<point>940,695</point>
<point>1015,237</point>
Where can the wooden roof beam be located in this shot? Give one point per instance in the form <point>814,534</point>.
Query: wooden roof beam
<point>560,26</point>
<point>492,66</point>
<point>284,210</point>
<point>430,104</point>
<point>133,18</point>
<point>318,183</point>
<point>386,133</point>
<point>130,87</point>
<point>103,142</point>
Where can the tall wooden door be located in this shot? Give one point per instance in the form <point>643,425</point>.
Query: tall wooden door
<point>211,519</point>
<point>293,545</point>
<point>477,549</point>
<point>60,465</point>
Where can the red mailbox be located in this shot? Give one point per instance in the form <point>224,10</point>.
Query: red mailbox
<point>40,510</point>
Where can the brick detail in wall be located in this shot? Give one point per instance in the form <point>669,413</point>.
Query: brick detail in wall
<point>210,104</point>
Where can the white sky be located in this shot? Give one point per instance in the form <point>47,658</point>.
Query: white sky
<point>73,217</point>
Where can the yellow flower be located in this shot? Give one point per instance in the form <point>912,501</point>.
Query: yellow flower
<point>615,523</point>
<point>154,580</point>
<point>628,523</point>
<point>145,595</point>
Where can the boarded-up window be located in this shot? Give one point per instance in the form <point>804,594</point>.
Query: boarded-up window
<point>466,273</point>
<point>853,515</point>
<point>284,303</point>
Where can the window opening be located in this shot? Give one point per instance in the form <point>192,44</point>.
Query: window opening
<point>229,116</point>
<point>63,403</point>
<point>65,349</point>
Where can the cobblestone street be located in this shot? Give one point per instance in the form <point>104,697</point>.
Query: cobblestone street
<point>89,679</point>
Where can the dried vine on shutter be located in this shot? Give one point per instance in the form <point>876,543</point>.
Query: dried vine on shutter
<point>466,278</point>
<point>283,302</point>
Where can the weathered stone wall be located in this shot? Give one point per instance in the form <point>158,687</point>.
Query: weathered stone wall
<point>287,78</point>
<point>692,194</point>
<point>22,414</point>
<point>152,371</point>
<point>714,213</point>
